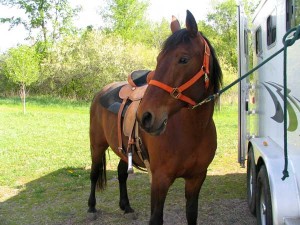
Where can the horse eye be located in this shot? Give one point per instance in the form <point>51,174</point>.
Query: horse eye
<point>183,60</point>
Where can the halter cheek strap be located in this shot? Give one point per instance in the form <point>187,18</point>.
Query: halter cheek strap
<point>177,91</point>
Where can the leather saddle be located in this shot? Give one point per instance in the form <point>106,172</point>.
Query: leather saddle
<point>124,100</point>
<point>112,100</point>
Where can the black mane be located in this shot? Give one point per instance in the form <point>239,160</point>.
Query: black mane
<point>177,38</point>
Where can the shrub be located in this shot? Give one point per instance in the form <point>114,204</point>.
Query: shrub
<point>78,67</point>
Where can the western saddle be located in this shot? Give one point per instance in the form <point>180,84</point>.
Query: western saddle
<point>131,95</point>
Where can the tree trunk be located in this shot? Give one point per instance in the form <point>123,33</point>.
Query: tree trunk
<point>23,96</point>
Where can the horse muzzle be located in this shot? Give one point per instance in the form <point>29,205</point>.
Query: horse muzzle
<point>151,125</point>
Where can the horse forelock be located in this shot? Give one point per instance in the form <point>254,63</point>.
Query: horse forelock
<point>182,36</point>
<point>175,39</point>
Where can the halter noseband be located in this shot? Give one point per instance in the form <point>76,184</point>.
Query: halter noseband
<point>177,91</point>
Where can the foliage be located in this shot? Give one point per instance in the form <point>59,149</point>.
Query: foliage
<point>51,18</point>
<point>21,66</point>
<point>79,66</point>
<point>223,25</point>
<point>249,7</point>
<point>6,86</point>
<point>136,28</point>
<point>230,74</point>
<point>158,33</point>
<point>126,18</point>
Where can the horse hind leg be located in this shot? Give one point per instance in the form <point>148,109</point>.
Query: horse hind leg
<point>97,175</point>
<point>192,189</point>
<point>122,177</point>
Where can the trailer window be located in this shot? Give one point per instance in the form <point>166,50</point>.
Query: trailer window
<point>289,14</point>
<point>258,41</point>
<point>271,28</point>
<point>246,42</point>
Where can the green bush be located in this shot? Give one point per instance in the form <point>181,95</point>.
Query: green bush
<point>78,67</point>
<point>229,75</point>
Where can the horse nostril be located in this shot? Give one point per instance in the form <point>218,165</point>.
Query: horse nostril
<point>147,120</point>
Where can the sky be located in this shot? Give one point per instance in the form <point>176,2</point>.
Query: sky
<point>158,9</point>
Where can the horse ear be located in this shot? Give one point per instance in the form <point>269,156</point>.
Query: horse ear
<point>175,26</point>
<point>191,24</point>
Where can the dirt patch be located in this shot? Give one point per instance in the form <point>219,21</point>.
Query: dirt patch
<point>222,212</point>
<point>226,212</point>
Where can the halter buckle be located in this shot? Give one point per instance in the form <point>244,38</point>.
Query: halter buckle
<point>175,93</point>
<point>206,77</point>
<point>206,50</point>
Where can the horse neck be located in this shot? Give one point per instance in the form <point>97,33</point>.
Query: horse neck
<point>200,116</point>
<point>205,110</point>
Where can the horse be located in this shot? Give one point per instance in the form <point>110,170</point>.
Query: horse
<point>179,137</point>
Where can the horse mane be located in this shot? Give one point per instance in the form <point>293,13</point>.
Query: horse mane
<point>183,36</point>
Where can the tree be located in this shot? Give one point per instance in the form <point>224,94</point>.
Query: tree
<point>159,33</point>
<point>50,18</point>
<point>126,18</point>
<point>223,21</point>
<point>77,67</point>
<point>221,27</point>
<point>21,66</point>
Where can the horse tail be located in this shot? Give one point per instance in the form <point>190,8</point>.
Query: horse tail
<point>98,171</point>
<point>102,180</point>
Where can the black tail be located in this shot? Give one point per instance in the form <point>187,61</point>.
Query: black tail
<point>101,182</point>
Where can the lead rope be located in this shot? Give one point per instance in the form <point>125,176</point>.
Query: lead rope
<point>287,42</point>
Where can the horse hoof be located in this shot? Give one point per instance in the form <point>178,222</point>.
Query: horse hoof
<point>92,210</point>
<point>91,216</point>
<point>130,216</point>
<point>128,210</point>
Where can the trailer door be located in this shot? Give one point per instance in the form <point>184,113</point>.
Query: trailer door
<point>243,64</point>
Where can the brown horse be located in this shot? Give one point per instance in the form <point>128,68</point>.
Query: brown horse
<point>180,140</point>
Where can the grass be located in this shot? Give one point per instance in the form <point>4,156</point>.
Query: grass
<point>45,164</point>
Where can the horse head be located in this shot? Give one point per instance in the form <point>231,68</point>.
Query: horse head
<point>187,71</point>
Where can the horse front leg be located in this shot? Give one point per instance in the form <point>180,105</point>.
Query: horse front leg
<point>159,189</point>
<point>192,189</point>
<point>122,177</point>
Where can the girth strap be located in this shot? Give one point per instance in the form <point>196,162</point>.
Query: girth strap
<point>120,148</point>
<point>134,141</point>
<point>141,150</point>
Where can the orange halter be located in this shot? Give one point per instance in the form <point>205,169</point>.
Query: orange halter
<point>177,91</point>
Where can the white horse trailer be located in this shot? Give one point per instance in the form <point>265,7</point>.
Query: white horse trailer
<point>261,113</point>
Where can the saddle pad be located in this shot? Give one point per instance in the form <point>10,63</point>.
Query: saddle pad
<point>111,100</point>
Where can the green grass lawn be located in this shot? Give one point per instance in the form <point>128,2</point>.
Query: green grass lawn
<point>45,161</point>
